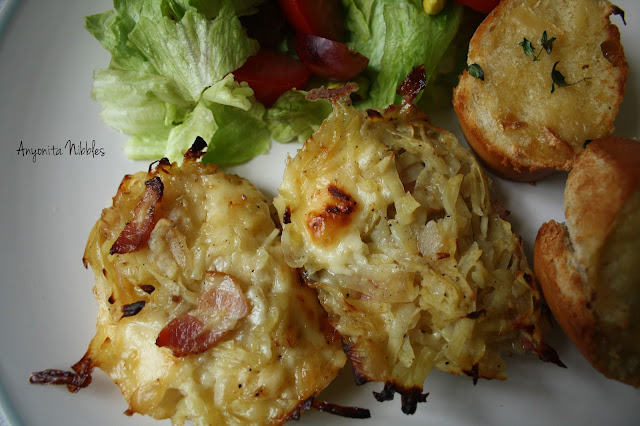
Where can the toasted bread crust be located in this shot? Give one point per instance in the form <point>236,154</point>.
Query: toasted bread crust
<point>563,286</point>
<point>586,268</point>
<point>608,171</point>
<point>515,125</point>
<point>492,157</point>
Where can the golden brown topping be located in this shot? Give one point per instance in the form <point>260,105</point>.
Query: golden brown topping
<point>336,215</point>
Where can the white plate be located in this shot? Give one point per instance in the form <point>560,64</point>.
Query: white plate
<point>47,311</point>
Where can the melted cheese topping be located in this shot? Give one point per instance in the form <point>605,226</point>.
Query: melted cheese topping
<point>422,273</point>
<point>214,243</point>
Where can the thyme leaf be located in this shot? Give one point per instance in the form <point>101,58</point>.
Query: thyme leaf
<point>559,80</point>
<point>476,71</point>
<point>527,47</point>
<point>545,42</point>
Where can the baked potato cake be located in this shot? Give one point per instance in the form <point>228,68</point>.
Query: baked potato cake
<point>199,317</point>
<point>392,221</point>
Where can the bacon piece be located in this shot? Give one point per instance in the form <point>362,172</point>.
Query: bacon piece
<point>197,150</point>
<point>333,95</point>
<point>185,335</point>
<point>136,233</point>
<point>328,407</point>
<point>412,84</point>
<point>474,373</point>
<point>75,380</point>
<point>221,306</point>
<point>476,314</point>
<point>286,217</point>
<point>374,114</point>
<point>410,397</point>
<point>545,352</point>
<point>161,165</point>
<point>147,288</point>
<point>132,308</point>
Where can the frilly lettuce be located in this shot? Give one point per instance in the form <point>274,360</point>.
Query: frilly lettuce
<point>293,117</point>
<point>169,77</point>
<point>396,36</point>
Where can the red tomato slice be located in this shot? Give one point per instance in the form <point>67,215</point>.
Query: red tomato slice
<point>322,18</point>
<point>329,59</point>
<point>270,73</point>
<point>484,6</point>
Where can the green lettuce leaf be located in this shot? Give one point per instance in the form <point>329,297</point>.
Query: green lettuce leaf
<point>211,8</point>
<point>293,117</point>
<point>397,36</point>
<point>112,30</point>
<point>199,122</point>
<point>145,148</point>
<point>439,91</point>
<point>194,52</point>
<point>230,92</point>
<point>138,103</point>
<point>169,77</point>
<point>241,136</point>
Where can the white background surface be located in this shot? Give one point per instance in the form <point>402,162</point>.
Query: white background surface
<point>47,311</point>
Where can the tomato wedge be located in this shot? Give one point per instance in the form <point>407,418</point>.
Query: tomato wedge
<point>270,73</point>
<point>329,59</point>
<point>484,6</point>
<point>322,18</point>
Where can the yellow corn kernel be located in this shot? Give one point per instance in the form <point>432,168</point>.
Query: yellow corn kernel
<point>433,7</point>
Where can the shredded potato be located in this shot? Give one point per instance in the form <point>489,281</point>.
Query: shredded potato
<point>214,244</point>
<point>393,223</point>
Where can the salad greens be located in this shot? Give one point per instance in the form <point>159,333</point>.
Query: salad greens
<point>293,117</point>
<point>168,74</point>
<point>396,36</point>
<point>170,78</point>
